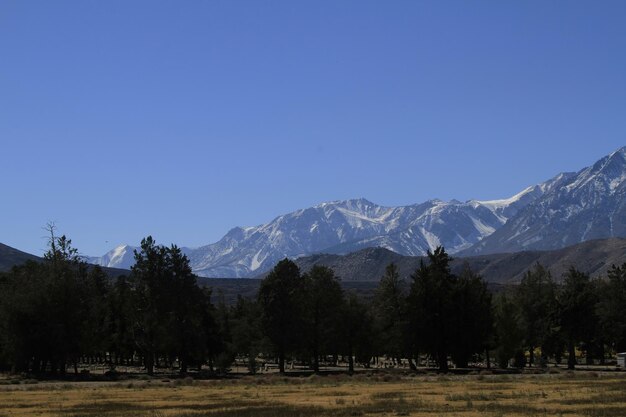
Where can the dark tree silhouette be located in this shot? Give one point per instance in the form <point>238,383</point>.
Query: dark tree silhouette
<point>577,304</point>
<point>473,317</point>
<point>390,313</point>
<point>507,330</point>
<point>323,299</point>
<point>168,306</point>
<point>357,332</point>
<point>535,298</point>
<point>432,292</point>
<point>611,308</point>
<point>281,300</point>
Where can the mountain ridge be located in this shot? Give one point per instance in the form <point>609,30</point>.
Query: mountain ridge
<point>587,205</point>
<point>535,218</point>
<point>10,256</point>
<point>343,226</point>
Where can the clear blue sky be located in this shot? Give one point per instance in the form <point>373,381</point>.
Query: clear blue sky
<point>183,119</point>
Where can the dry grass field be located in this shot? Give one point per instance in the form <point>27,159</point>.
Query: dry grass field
<point>552,394</point>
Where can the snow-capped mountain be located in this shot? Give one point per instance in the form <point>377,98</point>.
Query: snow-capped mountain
<point>590,204</point>
<point>567,209</point>
<point>121,257</point>
<point>342,227</point>
<point>345,226</point>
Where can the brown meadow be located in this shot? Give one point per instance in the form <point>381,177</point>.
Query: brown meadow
<point>553,394</point>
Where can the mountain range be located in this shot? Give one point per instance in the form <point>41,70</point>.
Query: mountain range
<point>567,209</point>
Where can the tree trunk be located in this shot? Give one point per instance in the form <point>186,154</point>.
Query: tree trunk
<point>281,363</point>
<point>149,362</point>
<point>531,358</point>
<point>571,356</point>
<point>601,353</point>
<point>316,361</point>
<point>443,362</point>
<point>487,359</point>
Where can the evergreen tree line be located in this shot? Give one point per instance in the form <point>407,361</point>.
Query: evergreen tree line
<point>59,314</point>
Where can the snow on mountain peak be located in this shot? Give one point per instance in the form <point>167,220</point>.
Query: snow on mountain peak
<point>574,207</point>
<point>344,226</point>
<point>121,256</point>
<point>356,203</point>
<point>338,227</point>
<point>505,201</point>
<point>607,174</point>
<point>621,151</point>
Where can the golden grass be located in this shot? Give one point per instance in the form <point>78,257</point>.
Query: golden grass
<point>579,394</point>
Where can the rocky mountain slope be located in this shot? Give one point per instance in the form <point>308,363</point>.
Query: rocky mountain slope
<point>10,256</point>
<point>590,204</point>
<point>120,257</point>
<point>343,227</point>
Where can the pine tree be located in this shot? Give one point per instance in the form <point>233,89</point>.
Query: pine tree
<point>390,313</point>
<point>577,303</point>
<point>611,308</point>
<point>535,298</point>
<point>323,299</point>
<point>168,306</point>
<point>281,300</point>
<point>473,317</point>
<point>357,332</point>
<point>432,309</point>
<point>508,333</point>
